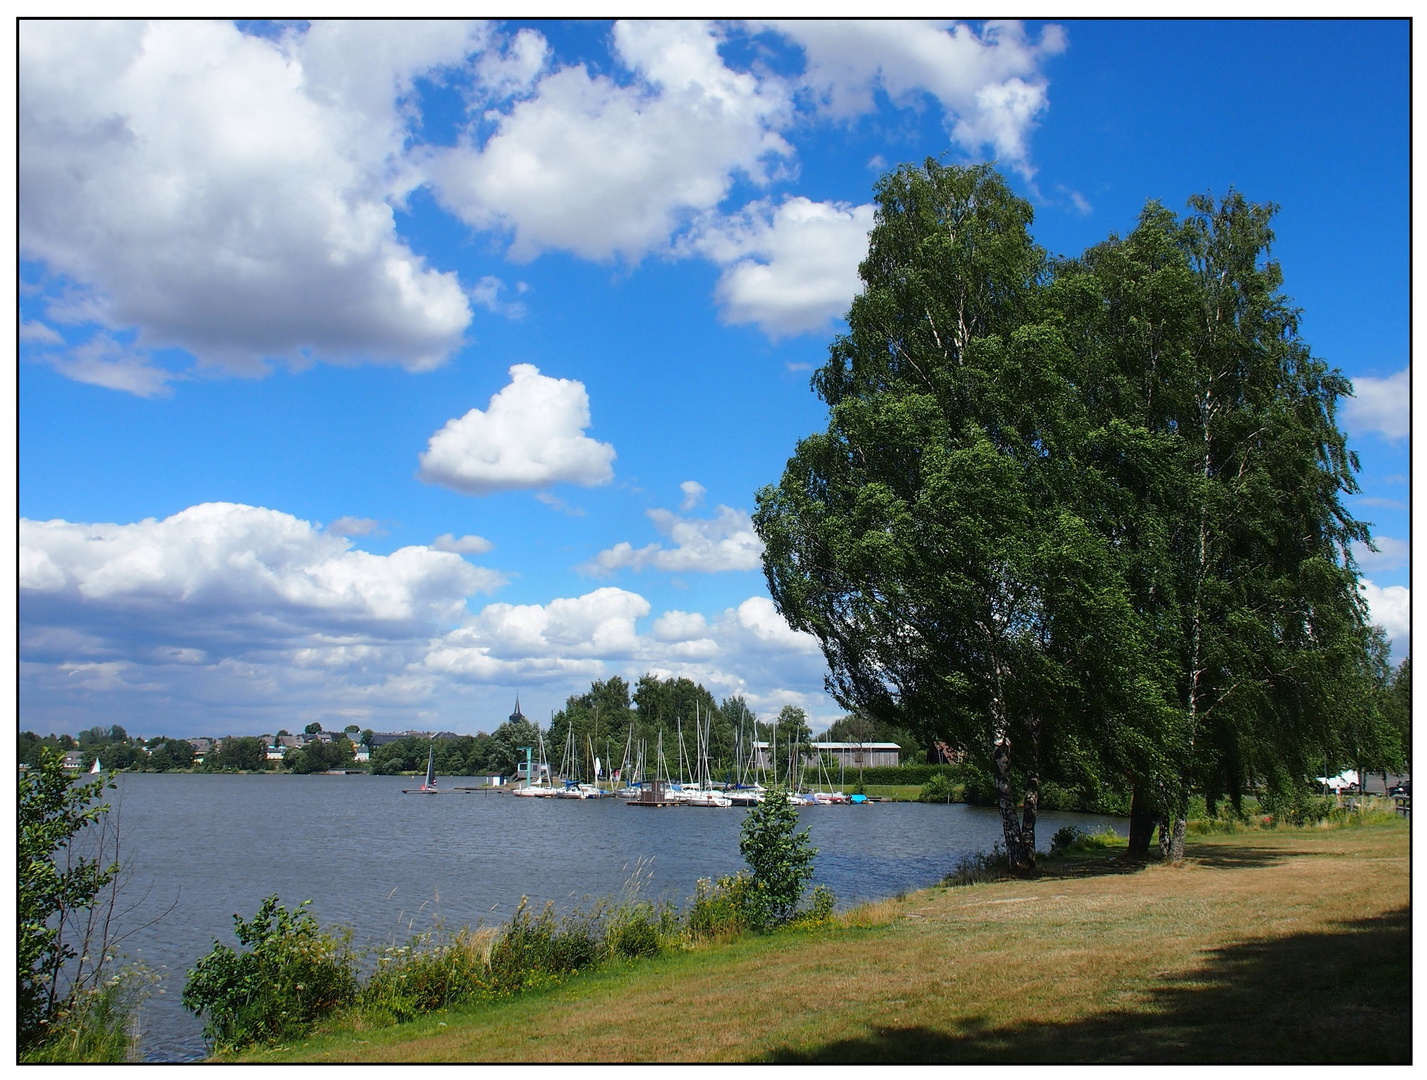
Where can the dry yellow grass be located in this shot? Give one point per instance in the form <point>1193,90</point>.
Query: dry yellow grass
<point>1291,945</point>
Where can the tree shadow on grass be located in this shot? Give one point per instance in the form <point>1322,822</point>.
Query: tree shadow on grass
<point>1339,996</point>
<point>1217,856</point>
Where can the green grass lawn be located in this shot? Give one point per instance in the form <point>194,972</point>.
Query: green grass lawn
<point>1289,945</point>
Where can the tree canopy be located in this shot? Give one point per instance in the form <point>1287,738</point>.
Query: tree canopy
<point>1080,518</point>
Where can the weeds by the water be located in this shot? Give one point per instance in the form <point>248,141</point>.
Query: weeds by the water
<point>980,868</point>
<point>100,1024</point>
<point>267,994</point>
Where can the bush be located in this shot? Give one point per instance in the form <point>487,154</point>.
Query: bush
<point>939,789</point>
<point>1073,838</point>
<point>291,974</point>
<point>781,860</point>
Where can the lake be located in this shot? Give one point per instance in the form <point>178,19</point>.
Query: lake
<point>391,865</point>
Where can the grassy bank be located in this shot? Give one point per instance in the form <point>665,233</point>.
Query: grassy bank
<point>1283,945</point>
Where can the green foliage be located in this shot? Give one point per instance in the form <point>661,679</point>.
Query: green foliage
<point>939,789</point>
<point>242,754</point>
<point>290,974</point>
<point>56,890</point>
<point>96,1028</point>
<point>779,858</point>
<point>1071,838</point>
<point>426,974</point>
<point>318,757</point>
<point>721,910</point>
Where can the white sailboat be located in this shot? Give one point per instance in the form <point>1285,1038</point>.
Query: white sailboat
<point>95,768</point>
<point>428,786</point>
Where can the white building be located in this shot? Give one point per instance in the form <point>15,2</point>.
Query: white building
<point>850,755</point>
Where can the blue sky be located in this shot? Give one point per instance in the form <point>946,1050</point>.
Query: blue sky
<point>377,373</point>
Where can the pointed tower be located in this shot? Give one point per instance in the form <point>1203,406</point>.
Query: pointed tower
<point>518,716</point>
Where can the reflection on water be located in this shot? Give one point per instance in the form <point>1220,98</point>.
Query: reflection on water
<point>390,865</point>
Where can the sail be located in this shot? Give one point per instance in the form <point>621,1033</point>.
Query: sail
<point>95,767</point>
<point>431,768</point>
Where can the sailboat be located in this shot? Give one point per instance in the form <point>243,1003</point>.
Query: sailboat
<point>429,787</point>
<point>95,768</point>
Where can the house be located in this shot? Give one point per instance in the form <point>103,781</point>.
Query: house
<point>279,745</point>
<point>849,755</point>
<point>73,759</point>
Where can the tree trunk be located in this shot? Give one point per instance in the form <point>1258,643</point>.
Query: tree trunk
<point>1020,856</point>
<point>1141,825</point>
<point>1176,841</point>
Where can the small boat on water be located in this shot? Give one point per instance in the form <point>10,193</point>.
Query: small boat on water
<point>429,787</point>
<point>95,768</point>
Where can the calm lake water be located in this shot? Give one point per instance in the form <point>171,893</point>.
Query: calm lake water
<point>390,865</point>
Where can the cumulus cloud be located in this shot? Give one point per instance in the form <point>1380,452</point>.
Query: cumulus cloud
<point>218,574</point>
<point>1380,406</point>
<point>605,170</point>
<point>701,545</point>
<point>1390,607</point>
<point>530,435</point>
<point>990,84</point>
<point>789,269</point>
<point>231,194</point>
<point>747,649</point>
<point>570,636</point>
<point>463,545</point>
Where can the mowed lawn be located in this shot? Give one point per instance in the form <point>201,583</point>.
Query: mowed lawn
<point>1276,946</point>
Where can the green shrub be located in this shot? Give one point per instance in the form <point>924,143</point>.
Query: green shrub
<point>780,859</point>
<point>1073,838</point>
<point>939,789</point>
<point>291,973</point>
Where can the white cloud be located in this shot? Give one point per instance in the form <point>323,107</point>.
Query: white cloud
<point>789,269</point>
<point>604,170</point>
<point>694,493</point>
<point>1391,608</point>
<point>570,636</point>
<point>990,84</point>
<point>103,361</point>
<point>221,573</point>
<point>232,195</point>
<point>1380,406</point>
<point>464,545</point>
<point>530,435</point>
<point>1391,554</point>
<point>706,546</point>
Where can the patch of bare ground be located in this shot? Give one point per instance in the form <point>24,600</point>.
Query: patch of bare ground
<point>1284,946</point>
